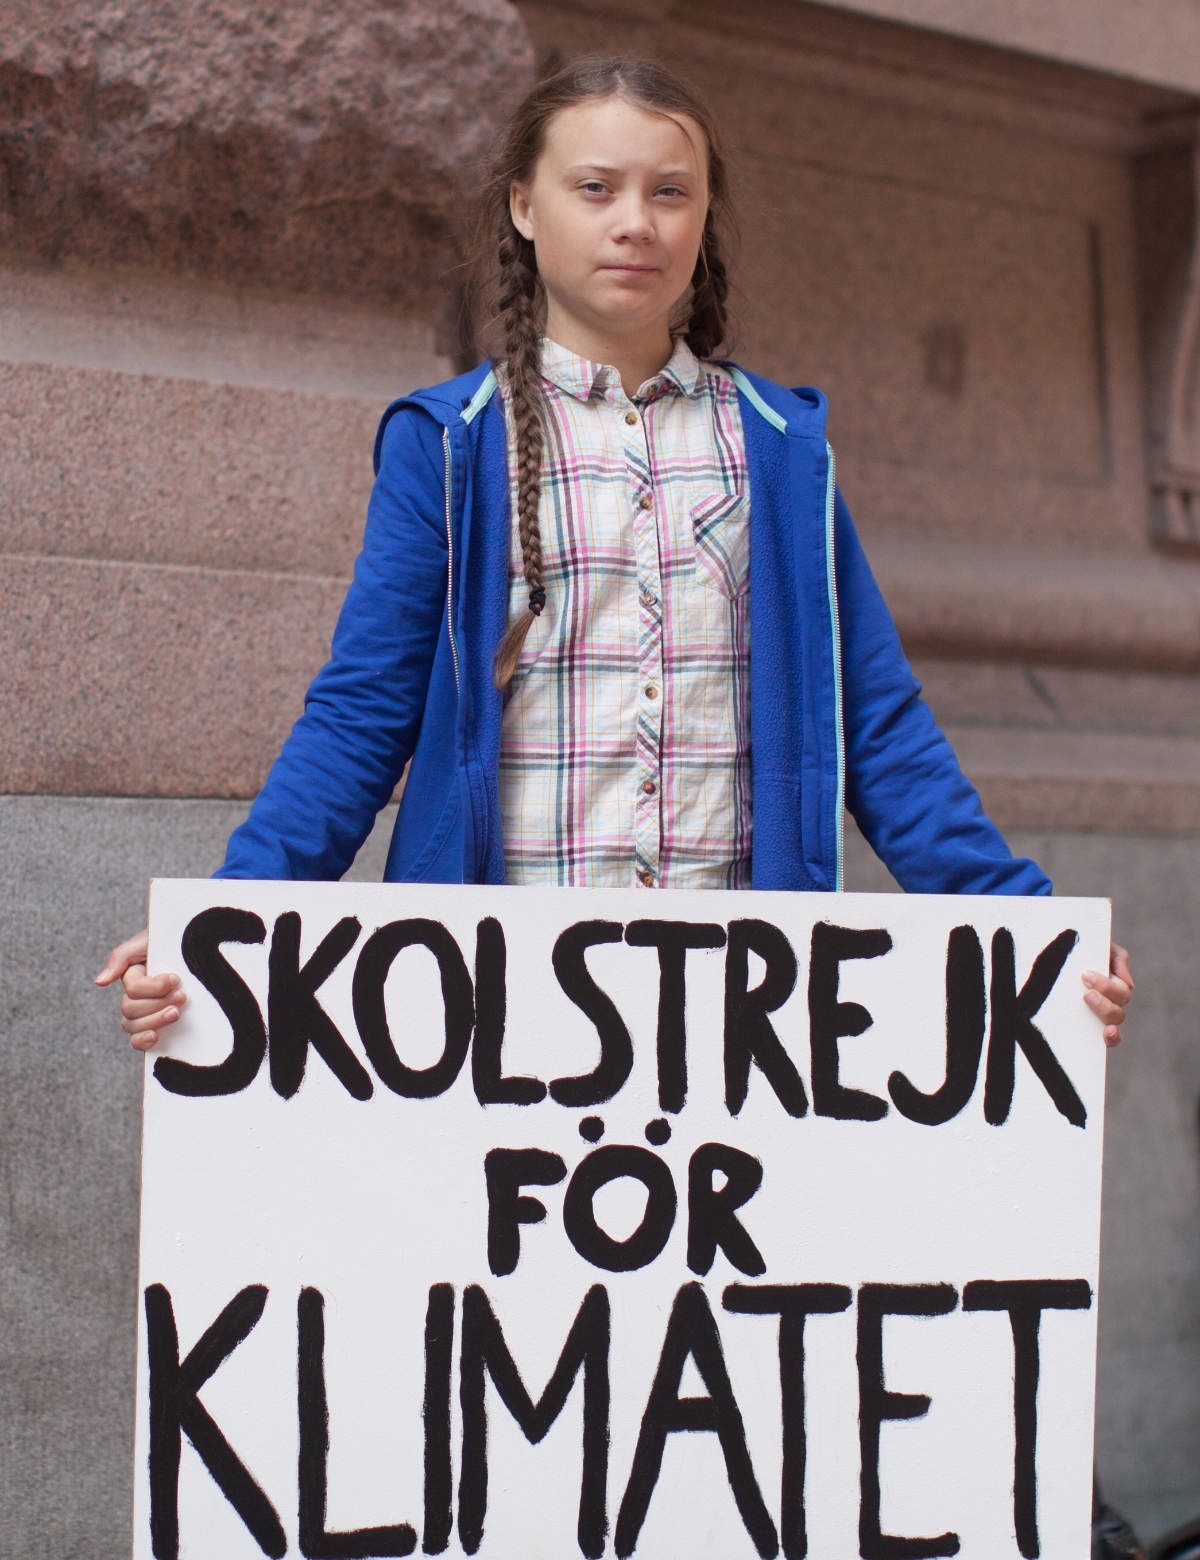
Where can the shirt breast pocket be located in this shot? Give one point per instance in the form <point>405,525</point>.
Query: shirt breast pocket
<point>721,533</point>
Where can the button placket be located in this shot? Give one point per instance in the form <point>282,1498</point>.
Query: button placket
<point>648,806</point>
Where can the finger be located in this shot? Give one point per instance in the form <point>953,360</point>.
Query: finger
<point>1110,986</point>
<point>131,951</point>
<point>139,985</point>
<point>1112,1035</point>
<point>1110,1013</point>
<point>150,1023</point>
<point>1118,963</point>
<point>138,1009</point>
<point>144,1042</point>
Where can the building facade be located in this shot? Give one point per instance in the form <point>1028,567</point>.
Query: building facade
<point>226,241</point>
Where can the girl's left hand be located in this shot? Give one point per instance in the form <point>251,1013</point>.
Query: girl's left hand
<point>1108,995</point>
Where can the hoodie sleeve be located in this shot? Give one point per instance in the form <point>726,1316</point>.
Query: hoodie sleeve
<point>363,710</point>
<point>904,786</point>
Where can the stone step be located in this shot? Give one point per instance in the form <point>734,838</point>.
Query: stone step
<point>1083,780</point>
<point>1040,697</point>
<point>1101,609</point>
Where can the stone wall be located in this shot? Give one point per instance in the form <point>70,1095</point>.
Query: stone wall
<point>227,240</point>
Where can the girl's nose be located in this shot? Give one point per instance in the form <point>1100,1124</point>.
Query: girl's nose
<point>635,220</point>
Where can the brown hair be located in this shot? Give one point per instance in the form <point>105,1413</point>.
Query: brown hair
<point>516,287</point>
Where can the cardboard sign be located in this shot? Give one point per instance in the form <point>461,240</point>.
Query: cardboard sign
<point>537,1223</point>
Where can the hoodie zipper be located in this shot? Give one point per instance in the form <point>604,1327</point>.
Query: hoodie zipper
<point>836,631</point>
<point>450,565</point>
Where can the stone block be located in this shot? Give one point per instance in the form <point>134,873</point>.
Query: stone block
<point>151,470</point>
<point>140,680</point>
<point>318,147</point>
<point>140,322</point>
<point>936,346</point>
<point>178,530</point>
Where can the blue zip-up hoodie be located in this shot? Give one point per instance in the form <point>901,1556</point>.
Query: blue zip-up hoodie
<point>835,713</point>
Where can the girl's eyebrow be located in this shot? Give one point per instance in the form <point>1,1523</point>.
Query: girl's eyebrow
<point>660,173</point>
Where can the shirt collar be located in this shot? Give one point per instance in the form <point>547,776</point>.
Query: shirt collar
<point>584,379</point>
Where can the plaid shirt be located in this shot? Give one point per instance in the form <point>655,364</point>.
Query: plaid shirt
<point>626,740</point>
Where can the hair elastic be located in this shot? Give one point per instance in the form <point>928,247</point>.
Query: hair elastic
<point>537,600</point>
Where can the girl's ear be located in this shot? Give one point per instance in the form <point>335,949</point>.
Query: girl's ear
<point>518,206</point>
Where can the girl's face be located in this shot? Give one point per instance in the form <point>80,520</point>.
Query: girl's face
<point>615,210</point>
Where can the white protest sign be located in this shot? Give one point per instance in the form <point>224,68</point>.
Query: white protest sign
<point>537,1223</point>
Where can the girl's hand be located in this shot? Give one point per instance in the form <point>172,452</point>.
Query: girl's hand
<point>151,1002</point>
<point>1108,995</point>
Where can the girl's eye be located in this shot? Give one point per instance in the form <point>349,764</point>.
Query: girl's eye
<point>672,190</point>
<point>593,187</point>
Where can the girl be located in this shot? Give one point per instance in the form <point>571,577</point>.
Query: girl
<point>673,667</point>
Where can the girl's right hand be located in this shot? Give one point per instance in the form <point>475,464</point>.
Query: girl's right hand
<point>151,1002</point>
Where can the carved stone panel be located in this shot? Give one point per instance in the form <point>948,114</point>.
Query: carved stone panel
<point>1168,208</point>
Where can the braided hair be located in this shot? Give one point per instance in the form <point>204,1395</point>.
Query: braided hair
<point>514,291</point>
<point>518,304</point>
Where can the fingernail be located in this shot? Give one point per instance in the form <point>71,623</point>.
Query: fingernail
<point>1090,977</point>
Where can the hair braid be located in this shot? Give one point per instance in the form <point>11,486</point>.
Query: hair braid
<point>707,322</point>
<point>517,303</point>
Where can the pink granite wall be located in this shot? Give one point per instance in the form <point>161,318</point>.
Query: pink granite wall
<point>228,237</point>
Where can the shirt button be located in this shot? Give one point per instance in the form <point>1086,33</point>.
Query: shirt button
<point>649,787</point>
<point>649,599</point>
<point>646,501</point>
<point>652,692</point>
<point>646,879</point>
<point>631,418</point>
